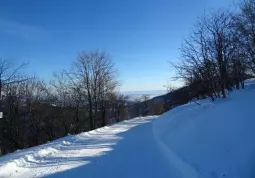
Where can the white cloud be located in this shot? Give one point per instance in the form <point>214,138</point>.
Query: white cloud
<point>28,32</point>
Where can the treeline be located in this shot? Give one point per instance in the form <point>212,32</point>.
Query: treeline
<point>79,99</point>
<point>219,54</point>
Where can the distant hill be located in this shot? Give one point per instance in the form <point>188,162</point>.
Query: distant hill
<point>137,95</point>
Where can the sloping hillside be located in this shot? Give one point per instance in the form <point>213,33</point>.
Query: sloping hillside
<point>210,140</point>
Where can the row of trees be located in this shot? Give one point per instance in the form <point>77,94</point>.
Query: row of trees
<point>81,98</point>
<point>219,54</point>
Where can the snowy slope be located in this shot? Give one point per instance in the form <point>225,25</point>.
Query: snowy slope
<point>211,140</point>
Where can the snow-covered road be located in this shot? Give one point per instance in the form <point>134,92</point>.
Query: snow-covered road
<point>136,156</point>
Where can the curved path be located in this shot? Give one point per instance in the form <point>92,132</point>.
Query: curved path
<point>136,156</point>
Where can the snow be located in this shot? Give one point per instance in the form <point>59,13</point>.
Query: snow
<point>211,140</point>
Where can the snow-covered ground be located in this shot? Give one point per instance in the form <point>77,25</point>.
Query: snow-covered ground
<point>211,140</point>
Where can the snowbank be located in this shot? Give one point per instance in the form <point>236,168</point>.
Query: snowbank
<point>212,139</point>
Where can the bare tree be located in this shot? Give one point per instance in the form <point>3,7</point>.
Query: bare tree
<point>195,67</point>
<point>170,87</point>
<point>10,79</point>
<point>117,106</point>
<point>63,93</point>
<point>218,26</point>
<point>207,56</point>
<point>32,93</point>
<point>244,24</point>
<point>95,73</point>
<point>8,74</point>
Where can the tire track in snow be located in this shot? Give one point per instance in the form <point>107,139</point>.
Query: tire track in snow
<point>174,160</point>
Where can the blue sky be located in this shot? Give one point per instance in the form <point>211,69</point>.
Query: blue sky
<point>140,35</point>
